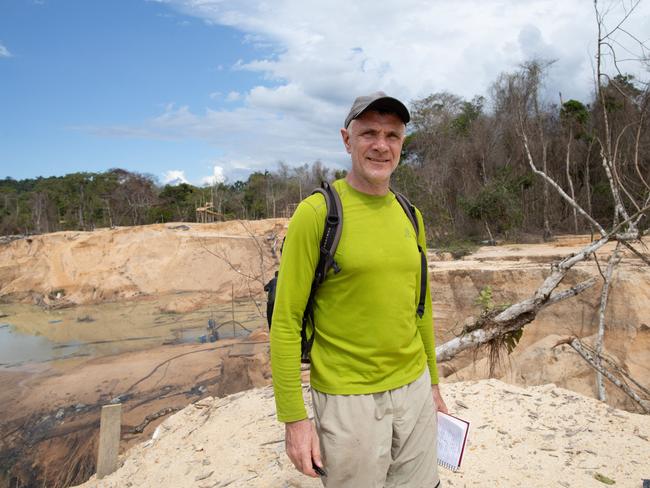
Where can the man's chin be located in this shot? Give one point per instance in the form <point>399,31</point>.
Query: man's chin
<point>379,178</point>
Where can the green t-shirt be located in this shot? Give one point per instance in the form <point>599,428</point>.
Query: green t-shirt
<point>368,336</point>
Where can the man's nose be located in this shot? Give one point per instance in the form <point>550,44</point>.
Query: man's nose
<point>381,143</point>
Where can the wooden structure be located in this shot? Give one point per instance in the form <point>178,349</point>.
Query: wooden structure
<point>207,214</point>
<point>109,439</point>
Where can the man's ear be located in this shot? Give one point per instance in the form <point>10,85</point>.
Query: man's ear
<point>346,140</point>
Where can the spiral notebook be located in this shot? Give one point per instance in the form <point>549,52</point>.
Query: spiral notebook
<point>452,438</point>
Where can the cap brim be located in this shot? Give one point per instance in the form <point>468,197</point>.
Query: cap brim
<point>389,104</point>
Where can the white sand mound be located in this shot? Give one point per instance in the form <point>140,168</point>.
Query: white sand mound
<point>530,437</point>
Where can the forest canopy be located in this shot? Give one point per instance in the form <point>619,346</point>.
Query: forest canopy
<point>464,165</point>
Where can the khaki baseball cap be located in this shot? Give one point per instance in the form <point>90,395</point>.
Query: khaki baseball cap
<point>377,101</point>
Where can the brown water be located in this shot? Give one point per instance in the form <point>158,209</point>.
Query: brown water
<point>29,334</point>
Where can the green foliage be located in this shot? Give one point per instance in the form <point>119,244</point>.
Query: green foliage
<point>458,248</point>
<point>255,194</point>
<point>574,112</point>
<point>484,299</point>
<point>469,112</point>
<point>618,91</point>
<point>499,201</point>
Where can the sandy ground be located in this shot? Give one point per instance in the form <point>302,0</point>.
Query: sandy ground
<point>519,437</point>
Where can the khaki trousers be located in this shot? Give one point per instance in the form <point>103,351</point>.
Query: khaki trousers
<point>385,439</point>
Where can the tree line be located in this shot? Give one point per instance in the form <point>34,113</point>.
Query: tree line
<point>464,164</point>
<point>117,197</point>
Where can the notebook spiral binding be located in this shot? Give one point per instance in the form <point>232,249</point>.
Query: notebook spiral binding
<point>448,466</point>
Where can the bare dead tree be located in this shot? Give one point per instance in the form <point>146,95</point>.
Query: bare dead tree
<point>257,269</point>
<point>607,278</point>
<point>492,328</point>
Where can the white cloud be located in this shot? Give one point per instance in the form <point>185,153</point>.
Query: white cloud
<point>215,95</point>
<point>323,54</point>
<point>4,52</point>
<point>174,177</point>
<point>217,176</point>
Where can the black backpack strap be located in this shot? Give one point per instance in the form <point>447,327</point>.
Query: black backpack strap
<point>409,210</point>
<point>328,244</point>
<point>331,232</point>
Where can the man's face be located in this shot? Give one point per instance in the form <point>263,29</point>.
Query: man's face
<point>374,141</point>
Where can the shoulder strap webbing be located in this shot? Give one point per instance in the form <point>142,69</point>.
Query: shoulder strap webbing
<point>328,244</point>
<point>331,232</point>
<point>409,210</point>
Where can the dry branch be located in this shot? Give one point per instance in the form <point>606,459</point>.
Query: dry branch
<point>518,315</point>
<point>226,259</point>
<point>637,253</point>
<point>618,203</point>
<point>595,361</point>
<point>138,429</point>
<point>558,188</point>
<point>513,318</point>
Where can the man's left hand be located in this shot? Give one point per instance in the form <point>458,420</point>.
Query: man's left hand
<point>437,399</point>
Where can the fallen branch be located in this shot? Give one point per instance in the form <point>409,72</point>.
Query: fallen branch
<point>638,254</point>
<point>594,360</point>
<point>624,373</point>
<point>513,318</point>
<point>138,429</point>
<point>518,315</point>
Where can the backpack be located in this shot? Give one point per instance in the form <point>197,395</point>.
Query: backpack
<point>328,244</point>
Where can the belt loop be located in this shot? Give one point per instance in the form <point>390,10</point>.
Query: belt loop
<point>380,405</point>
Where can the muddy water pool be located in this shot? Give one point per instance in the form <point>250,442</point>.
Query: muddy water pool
<point>29,334</point>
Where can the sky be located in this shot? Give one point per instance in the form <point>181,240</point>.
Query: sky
<point>202,91</point>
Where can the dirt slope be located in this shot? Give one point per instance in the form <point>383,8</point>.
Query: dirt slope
<point>71,268</point>
<point>534,437</point>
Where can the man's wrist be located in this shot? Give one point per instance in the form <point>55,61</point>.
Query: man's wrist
<point>292,422</point>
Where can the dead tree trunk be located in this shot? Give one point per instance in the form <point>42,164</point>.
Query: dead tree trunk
<point>570,181</point>
<point>604,296</point>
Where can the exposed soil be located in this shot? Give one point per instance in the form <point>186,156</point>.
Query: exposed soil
<point>51,418</point>
<point>50,413</point>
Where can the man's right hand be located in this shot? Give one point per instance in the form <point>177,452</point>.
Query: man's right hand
<point>302,446</point>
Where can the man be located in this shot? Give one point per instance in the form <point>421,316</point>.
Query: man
<point>373,368</point>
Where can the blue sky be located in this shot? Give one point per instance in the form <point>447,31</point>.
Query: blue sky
<point>203,89</point>
<point>76,65</point>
